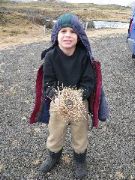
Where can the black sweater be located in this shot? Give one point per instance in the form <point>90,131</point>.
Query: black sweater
<point>68,71</point>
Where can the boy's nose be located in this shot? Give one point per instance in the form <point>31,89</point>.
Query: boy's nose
<point>68,34</point>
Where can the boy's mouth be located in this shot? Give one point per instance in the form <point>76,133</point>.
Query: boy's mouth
<point>67,41</point>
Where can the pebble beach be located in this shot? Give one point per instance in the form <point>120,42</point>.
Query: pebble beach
<point>111,150</point>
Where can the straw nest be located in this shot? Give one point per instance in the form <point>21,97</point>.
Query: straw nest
<point>69,104</point>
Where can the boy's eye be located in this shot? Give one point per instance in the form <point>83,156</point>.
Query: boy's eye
<point>65,31</point>
<point>72,31</point>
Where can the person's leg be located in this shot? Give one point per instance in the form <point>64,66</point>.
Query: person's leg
<point>79,130</point>
<point>57,131</point>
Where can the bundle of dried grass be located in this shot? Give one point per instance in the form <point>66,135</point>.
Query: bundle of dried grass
<point>68,103</point>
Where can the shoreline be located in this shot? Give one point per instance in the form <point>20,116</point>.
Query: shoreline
<point>39,36</point>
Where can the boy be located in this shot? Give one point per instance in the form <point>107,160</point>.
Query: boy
<point>68,64</point>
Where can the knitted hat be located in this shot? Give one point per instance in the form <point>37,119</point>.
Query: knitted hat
<point>65,20</point>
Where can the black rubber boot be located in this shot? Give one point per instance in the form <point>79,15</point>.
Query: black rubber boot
<point>50,161</point>
<point>80,165</point>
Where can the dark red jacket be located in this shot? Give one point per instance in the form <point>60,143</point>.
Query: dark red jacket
<point>98,104</point>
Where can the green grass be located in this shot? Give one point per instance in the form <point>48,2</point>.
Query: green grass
<point>88,11</point>
<point>16,19</point>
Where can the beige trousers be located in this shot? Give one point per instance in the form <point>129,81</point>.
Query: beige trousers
<point>57,130</point>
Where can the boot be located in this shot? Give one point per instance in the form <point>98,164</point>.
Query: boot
<point>80,165</point>
<point>50,161</point>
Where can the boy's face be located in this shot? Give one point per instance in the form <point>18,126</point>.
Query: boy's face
<point>67,39</point>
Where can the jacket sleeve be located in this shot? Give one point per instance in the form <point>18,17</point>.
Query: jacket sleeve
<point>88,79</point>
<point>49,78</point>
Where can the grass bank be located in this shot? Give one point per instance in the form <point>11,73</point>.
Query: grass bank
<point>16,19</point>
